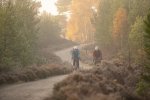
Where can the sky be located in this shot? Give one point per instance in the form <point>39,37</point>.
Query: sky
<point>49,6</point>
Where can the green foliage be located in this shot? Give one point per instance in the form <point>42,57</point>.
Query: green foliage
<point>135,13</point>
<point>139,8</point>
<point>146,73</point>
<point>135,45</point>
<point>18,32</point>
<point>147,41</point>
<point>141,87</point>
<point>136,37</point>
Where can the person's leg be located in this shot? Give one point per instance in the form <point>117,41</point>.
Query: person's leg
<point>73,62</point>
<point>94,61</point>
<point>77,63</point>
<point>99,61</point>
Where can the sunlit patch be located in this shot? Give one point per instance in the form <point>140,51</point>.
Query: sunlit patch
<point>48,6</point>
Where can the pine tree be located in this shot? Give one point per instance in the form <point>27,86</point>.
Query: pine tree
<point>119,33</point>
<point>18,33</point>
<point>144,84</point>
<point>147,49</point>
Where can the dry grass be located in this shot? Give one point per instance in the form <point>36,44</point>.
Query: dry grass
<point>112,80</point>
<point>34,73</point>
<point>48,64</point>
<point>106,82</point>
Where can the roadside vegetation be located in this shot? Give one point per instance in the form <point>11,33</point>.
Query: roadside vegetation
<point>105,82</point>
<point>52,66</point>
<point>28,40</point>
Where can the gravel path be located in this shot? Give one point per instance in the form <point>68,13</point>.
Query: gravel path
<point>40,89</point>
<point>65,55</point>
<point>36,90</point>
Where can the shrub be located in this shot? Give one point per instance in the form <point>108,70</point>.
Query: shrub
<point>106,82</point>
<point>34,73</point>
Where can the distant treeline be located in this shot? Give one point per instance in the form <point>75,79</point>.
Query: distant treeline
<point>22,30</point>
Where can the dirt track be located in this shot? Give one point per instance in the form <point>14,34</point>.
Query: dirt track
<point>36,90</point>
<point>66,57</point>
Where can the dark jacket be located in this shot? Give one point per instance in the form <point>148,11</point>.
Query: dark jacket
<point>75,54</point>
<point>97,54</point>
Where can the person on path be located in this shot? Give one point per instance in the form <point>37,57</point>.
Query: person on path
<point>76,57</point>
<point>97,55</point>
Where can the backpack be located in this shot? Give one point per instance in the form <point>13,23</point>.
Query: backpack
<point>76,54</point>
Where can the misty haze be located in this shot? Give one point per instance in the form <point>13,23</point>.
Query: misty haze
<point>74,49</point>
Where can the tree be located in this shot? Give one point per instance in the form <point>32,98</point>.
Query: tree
<point>144,84</point>
<point>79,27</point>
<point>139,8</point>
<point>7,34</point>
<point>26,25</point>
<point>120,29</point>
<point>104,24</point>
<point>18,33</point>
<point>63,7</point>
<point>136,37</point>
<point>146,75</point>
